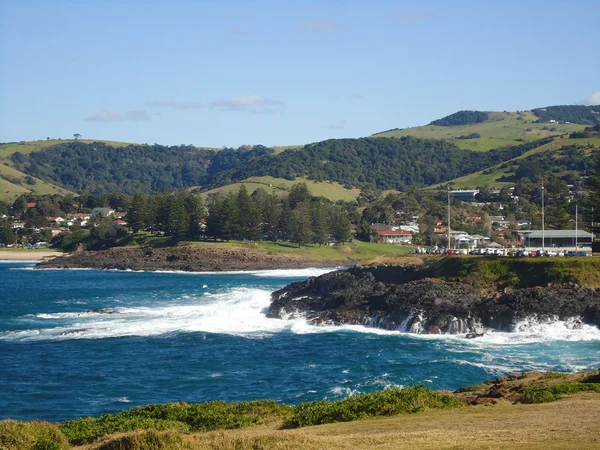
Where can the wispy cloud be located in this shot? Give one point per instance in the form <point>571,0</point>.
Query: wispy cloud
<point>241,32</point>
<point>176,105</point>
<point>114,116</point>
<point>412,16</point>
<point>254,104</point>
<point>593,99</point>
<point>321,27</point>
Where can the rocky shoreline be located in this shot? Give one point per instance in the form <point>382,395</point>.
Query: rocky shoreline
<point>413,299</point>
<point>184,258</point>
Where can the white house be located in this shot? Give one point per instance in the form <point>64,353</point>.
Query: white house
<point>102,212</point>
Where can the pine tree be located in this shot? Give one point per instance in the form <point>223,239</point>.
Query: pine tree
<point>320,222</point>
<point>270,215</point>
<point>177,219</point>
<point>138,214</point>
<point>340,226</point>
<point>593,200</point>
<point>194,209</point>
<point>249,225</point>
<point>301,224</point>
<point>7,235</point>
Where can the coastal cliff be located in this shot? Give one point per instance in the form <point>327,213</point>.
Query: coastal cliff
<point>449,295</point>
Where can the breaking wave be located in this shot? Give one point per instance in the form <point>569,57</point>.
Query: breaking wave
<point>242,311</point>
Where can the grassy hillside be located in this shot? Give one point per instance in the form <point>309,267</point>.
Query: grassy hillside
<point>491,176</point>
<point>500,130</point>
<point>332,191</point>
<point>13,183</point>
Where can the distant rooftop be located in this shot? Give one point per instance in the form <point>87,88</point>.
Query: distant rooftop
<point>537,234</point>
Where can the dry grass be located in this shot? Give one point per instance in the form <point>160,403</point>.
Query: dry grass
<point>570,423</point>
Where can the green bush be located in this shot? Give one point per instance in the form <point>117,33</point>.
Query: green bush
<point>33,435</point>
<point>546,394</point>
<point>174,416</point>
<point>148,440</point>
<point>386,403</point>
<point>554,375</point>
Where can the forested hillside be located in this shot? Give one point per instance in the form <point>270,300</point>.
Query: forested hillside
<point>585,115</point>
<point>383,163</point>
<point>461,118</point>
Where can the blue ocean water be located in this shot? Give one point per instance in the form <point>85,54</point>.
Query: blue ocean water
<point>87,342</point>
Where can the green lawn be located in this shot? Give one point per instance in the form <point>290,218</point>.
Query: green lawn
<point>10,189</point>
<point>341,253</point>
<point>502,129</point>
<point>332,191</point>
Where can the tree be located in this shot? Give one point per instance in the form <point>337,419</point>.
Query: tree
<point>194,210</point>
<point>365,233</point>
<point>593,200</point>
<point>77,136</point>
<point>7,234</point>
<point>340,226</point>
<point>301,224</point>
<point>320,222</point>
<point>249,216</point>
<point>138,214</point>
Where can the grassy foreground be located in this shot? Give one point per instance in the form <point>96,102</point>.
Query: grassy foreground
<point>523,410</point>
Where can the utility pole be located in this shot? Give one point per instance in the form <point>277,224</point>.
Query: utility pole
<point>448,217</point>
<point>576,228</point>
<point>543,218</point>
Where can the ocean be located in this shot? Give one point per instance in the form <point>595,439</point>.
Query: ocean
<point>79,343</point>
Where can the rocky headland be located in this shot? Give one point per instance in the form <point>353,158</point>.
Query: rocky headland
<point>184,258</point>
<point>451,295</point>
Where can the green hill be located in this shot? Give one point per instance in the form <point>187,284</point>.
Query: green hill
<point>500,175</point>
<point>467,148</point>
<point>501,129</point>
<point>330,190</point>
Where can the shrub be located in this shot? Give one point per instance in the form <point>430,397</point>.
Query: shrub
<point>217,415</point>
<point>386,403</point>
<point>546,394</point>
<point>31,436</point>
<point>148,440</point>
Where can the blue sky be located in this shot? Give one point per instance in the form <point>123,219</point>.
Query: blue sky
<point>215,73</point>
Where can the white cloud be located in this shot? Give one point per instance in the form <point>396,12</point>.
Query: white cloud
<point>254,104</point>
<point>113,116</point>
<point>593,99</point>
<point>176,105</point>
<point>321,27</point>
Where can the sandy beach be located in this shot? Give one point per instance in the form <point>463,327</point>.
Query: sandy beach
<point>27,255</point>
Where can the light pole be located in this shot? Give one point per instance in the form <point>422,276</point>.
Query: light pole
<point>543,219</point>
<point>448,217</point>
<point>576,227</point>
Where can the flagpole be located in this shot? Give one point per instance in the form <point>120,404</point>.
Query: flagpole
<point>543,219</point>
<point>448,217</point>
<point>576,227</point>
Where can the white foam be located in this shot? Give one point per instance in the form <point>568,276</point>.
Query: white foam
<point>240,311</point>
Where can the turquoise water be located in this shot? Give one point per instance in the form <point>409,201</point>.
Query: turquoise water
<point>164,337</point>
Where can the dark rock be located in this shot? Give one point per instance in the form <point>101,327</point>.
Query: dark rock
<point>408,299</point>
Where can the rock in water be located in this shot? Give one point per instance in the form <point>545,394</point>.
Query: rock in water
<point>410,300</point>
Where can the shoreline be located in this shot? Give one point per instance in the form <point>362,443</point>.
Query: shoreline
<point>28,255</point>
